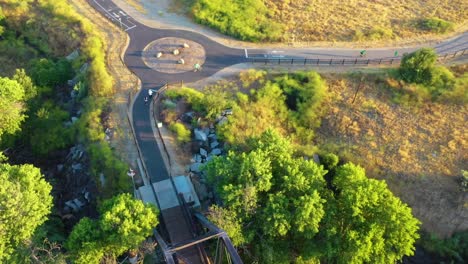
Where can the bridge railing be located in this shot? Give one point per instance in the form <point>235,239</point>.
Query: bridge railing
<point>361,61</point>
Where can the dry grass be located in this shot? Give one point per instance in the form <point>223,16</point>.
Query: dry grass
<point>419,152</point>
<point>328,20</point>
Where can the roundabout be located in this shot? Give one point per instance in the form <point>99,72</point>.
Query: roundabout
<point>173,55</point>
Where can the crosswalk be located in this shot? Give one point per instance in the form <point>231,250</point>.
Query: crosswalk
<point>117,16</point>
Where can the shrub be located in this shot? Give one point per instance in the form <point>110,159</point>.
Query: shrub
<point>435,25</point>
<point>244,19</point>
<point>330,161</point>
<point>183,134</point>
<point>416,67</point>
<point>373,34</point>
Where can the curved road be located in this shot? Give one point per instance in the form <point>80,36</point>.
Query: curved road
<point>217,57</point>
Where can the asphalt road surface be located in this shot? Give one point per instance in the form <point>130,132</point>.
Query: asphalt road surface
<point>217,57</point>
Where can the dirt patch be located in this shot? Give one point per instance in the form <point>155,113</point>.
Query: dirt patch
<point>420,152</point>
<point>176,55</point>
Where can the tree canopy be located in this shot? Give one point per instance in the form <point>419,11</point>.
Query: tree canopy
<point>11,105</point>
<point>123,224</point>
<point>25,202</point>
<point>281,207</point>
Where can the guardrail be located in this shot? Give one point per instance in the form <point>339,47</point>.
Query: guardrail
<point>362,61</point>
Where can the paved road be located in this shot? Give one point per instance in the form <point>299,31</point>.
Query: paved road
<point>217,57</point>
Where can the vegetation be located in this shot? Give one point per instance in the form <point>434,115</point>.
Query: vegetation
<point>452,250</point>
<point>182,133</point>
<point>424,80</point>
<point>244,19</point>
<point>306,20</point>
<point>25,203</point>
<point>284,205</point>
<point>290,104</point>
<point>124,223</point>
<point>35,119</point>
<point>436,25</point>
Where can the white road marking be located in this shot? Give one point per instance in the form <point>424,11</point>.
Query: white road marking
<point>122,13</point>
<point>246,54</point>
<point>113,17</point>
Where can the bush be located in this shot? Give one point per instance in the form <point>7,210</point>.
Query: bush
<point>435,25</point>
<point>183,134</point>
<point>373,34</point>
<point>416,67</point>
<point>330,161</point>
<point>244,19</point>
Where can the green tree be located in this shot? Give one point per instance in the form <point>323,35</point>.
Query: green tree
<point>124,223</point>
<point>46,129</point>
<point>25,202</point>
<point>11,105</point>
<point>365,222</point>
<point>416,67</point>
<point>46,72</point>
<point>268,191</point>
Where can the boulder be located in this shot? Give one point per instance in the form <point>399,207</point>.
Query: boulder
<point>215,152</point>
<point>186,46</point>
<point>176,52</point>
<point>214,144</point>
<point>195,167</point>
<point>159,55</point>
<point>203,153</point>
<point>181,61</point>
<point>200,135</point>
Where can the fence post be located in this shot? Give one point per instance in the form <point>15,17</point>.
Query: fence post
<point>455,54</point>
<point>305,61</point>
<point>463,53</point>
<point>391,61</point>
<point>355,61</point>
<point>380,62</point>
<point>292,61</point>
<point>331,61</point>
<point>279,61</point>
<point>368,62</point>
<point>318,61</point>
<point>266,60</point>
<point>343,62</point>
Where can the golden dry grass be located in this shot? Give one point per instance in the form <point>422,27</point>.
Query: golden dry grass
<point>329,20</point>
<point>419,152</point>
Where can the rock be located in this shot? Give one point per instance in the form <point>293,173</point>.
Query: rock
<point>74,119</point>
<point>197,158</point>
<point>87,197</point>
<point>200,135</point>
<point>176,52</point>
<point>72,205</point>
<point>316,158</point>
<point>188,117</point>
<point>195,167</point>
<point>102,179</point>
<point>78,203</point>
<point>227,112</point>
<point>213,137</point>
<point>215,152</point>
<point>186,46</point>
<point>73,94</point>
<point>60,167</point>
<point>73,55</point>
<point>222,120</point>
<point>203,153</point>
<point>159,55</point>
<point>77,166</point>
<point>208,158</point>
<point>181,61</point>
<point>67,124</point>
<point>214,144</point>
